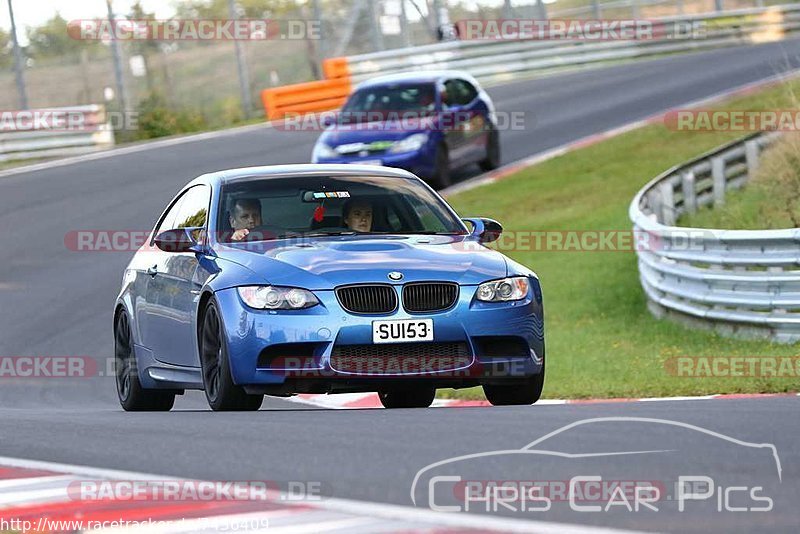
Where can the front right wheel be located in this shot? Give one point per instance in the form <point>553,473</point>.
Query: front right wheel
<point>221,393</point>
<point>132,396</point>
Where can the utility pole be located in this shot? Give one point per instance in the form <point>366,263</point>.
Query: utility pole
<point>321,46</point>
<point>118,73</point>
<point>437,18</point>
<point>19,62</point>
<point>375,26</point>
<point>404,24</point>
<point>241,64</point>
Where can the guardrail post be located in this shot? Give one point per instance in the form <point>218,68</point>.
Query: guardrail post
<point>667,204</point>
<point>752,153</point>
<point>689,193</point>
<point>597,11</point>
<point>718,175</point>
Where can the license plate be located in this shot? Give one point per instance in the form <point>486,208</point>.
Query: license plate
<point>369,162</point>
<point>402,331</point>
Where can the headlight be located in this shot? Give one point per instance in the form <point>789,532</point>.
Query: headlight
<point>321,150</point>
<point>504,290</point>
<point>412,143</point>
<point>277,298</point>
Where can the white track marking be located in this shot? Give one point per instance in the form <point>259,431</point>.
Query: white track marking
<point>354,507</point>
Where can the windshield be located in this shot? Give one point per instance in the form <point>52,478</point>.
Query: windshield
<point>371,102</point>
<point>277,208</point>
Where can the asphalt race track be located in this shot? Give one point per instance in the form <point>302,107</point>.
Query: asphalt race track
<point>54,301</point>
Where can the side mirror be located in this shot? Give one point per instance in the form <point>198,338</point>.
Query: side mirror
<point>179,240</point>
<point>329,119</point>
<point>485,230</point>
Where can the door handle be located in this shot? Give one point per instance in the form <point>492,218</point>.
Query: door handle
<point>152,271</point>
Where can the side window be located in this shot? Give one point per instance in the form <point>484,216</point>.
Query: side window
<point>395,224</point>
<point>460,92</point>
<point>468,90</point>
<point>168,222</point>
<point>451,94</point>
<point>193,210</point>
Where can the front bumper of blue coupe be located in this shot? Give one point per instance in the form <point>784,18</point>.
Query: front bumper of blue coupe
<point>328,349</point>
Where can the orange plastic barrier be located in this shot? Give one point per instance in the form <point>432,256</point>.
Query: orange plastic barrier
<point>336,67</point>
<point>310,97</point>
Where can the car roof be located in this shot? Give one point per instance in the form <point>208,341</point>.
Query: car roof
<point>425,76</point>
<point>299,170</point>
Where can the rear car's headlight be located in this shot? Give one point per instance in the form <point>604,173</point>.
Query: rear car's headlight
<point>504,290</point>
<point>321,150</point>
<point>277,298</point>
<point>412,143</point>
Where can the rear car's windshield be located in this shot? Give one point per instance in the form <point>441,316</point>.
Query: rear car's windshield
<point>277,208</point>
<point>400,98</point>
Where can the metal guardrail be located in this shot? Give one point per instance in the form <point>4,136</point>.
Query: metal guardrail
<point>40,141</point>
<point>738,282</point>
<point>490,60</point>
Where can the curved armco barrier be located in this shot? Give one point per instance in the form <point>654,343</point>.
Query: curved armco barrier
<point>738,282</point>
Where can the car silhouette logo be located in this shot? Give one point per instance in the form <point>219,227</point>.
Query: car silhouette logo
<point>394,275</point>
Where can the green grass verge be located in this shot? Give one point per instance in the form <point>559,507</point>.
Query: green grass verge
<point>601,340</point>
<point>743,211</point>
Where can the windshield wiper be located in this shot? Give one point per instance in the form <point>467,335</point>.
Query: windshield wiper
<point>428,233</point>
<point>325,234</point>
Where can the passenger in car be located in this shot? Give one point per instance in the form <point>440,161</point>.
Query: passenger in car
<point>357,215</point>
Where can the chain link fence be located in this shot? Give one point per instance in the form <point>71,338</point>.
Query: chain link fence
<point>187,85</point>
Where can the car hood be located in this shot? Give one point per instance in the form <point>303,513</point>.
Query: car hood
<point>345,134</point>
<point>323,264</point>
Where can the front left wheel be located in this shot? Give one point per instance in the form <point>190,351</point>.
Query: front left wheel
<point>492,159</point>
<point>525,392</point>
<point>132,396</point>
<point>419,397</point>
<point>221,393</point>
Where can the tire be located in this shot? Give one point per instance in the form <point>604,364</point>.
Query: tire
<point>420,397</point>
<point>492,160</point>
<point>441,172</point>
<point>525,393</point>
<point>221,393</point>
<point>132,396</point>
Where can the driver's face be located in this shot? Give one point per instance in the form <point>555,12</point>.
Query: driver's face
<point>245,217</point>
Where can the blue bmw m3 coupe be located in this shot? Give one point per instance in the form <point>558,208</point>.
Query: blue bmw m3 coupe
<point>323,279</point>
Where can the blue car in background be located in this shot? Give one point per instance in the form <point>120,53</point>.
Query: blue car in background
<point>428,123</point>
<point>323,279</point>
